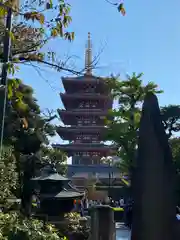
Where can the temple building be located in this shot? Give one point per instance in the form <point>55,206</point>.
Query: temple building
<point>87,100</point>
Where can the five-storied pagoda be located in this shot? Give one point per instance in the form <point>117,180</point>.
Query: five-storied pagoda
<point>87,100</point>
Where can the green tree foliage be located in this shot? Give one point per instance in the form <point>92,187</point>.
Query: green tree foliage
<point>175,147</point>
<point>26,119</point>
<point>37,22</point>
<point>15,226</point>
<point>120,6</point>
<point>55,157</point>
<point>171,119</point>
<point>8,175</point>
<point>123,128</point>
<point>16,169</point>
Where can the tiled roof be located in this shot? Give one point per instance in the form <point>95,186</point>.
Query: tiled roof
<point>49,173</point>
<point>81,175</point>
<point>54,177</point>
<point>96,175</point>
<point>69,194</point>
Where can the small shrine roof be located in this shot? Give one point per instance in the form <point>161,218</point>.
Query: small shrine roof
<point>69,194</point>
<point>53,177</point>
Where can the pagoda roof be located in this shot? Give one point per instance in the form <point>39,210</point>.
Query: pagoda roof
<point>69,117</point>
<point>84,129</point>
<point>83,78</point>
<point>71,84</point>
<point>89,112</point>
<point>68,132</point>
<point>84,147</point>
<point>89,96</point>
<point>71,101</point>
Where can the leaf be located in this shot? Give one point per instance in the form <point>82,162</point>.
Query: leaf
<point>122,9</point>
<point>72,35</point>
<point>41,19</point>
<point>59,28</point>
<point>34,16</point>
<point>11,35</point>
<point>54,32</point>
<point>69,36</point>
<point>49,5</point>
<point>10,91</point>
<point>3,11</point>
<point>20,105</point>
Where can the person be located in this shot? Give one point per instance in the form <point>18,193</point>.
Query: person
<point>121,202</point>
<point>81,208</point>
<point>90,203</point>
<point>128,213</point>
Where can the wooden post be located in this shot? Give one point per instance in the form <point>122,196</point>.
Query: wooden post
<point>102,223</point>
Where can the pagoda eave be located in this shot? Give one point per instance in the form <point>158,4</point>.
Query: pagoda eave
<point>71,117</point>
<point>84,129</point>
<point>68,133</point>
<point>71,101</point>
<point>81,148</point>
<point>71,84</point>
<point>89,96</point>
<point>88,113</point>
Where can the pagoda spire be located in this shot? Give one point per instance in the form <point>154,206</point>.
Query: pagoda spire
<point>88,56</point>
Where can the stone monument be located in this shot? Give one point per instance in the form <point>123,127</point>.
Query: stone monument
<point>102,223</point>
<point>153,179</point>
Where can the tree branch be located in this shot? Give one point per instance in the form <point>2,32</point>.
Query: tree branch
<point>56,66</point>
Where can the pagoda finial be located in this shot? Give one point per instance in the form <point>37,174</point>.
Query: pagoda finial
<point>88,56</point>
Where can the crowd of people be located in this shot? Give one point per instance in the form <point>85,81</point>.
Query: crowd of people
<point>126,206</point>
<point>83,205</point>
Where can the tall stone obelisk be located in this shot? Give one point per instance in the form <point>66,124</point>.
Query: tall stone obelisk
<point>153,180</point>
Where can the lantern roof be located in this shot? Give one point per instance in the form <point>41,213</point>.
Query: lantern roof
<point>49,173</point>
<point>69,194</point>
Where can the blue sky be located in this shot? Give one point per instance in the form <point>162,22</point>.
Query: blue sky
<point>146,40</point>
